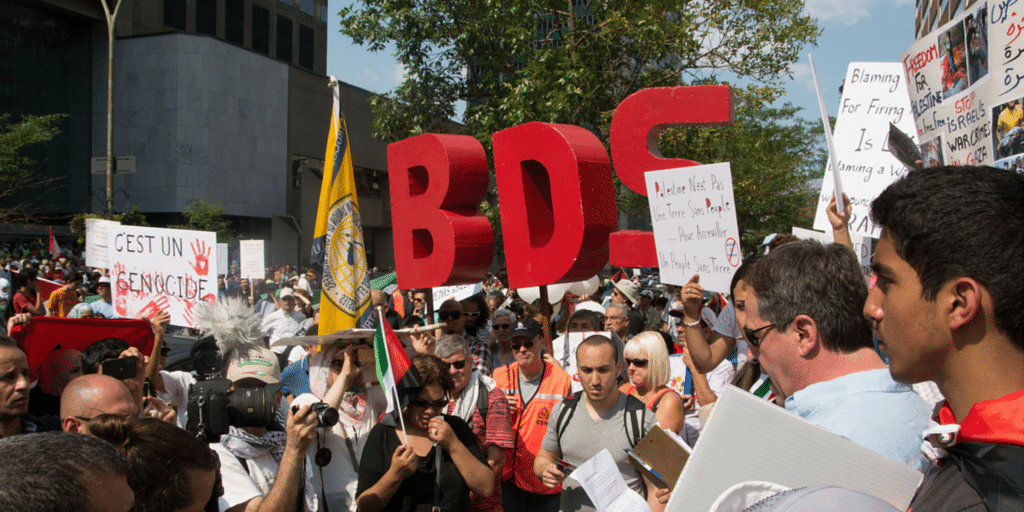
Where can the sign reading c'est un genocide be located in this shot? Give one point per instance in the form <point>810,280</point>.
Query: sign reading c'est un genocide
<point>157,269</point>
<point>695,229</point>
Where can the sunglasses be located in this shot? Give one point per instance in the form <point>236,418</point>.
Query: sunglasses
<point>445,315</point>
<point>424,404</point>
<point>474,314</point>
<point>527,344</point>
<point>417,299</point>
<point>501,327</point>
<point>752,334</point>
<point>458,365</point>
<point>639,363</point>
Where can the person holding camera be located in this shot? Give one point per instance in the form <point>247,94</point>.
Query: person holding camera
<point>434,464</point>
<point>262,469</point>
<point>342,379</point>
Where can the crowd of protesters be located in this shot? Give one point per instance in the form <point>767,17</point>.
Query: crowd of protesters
<point>922,363</point>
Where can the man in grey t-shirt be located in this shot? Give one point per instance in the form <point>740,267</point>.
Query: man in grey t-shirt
<point>598,422</point>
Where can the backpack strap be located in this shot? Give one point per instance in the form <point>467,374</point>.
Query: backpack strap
<point>482,402</point>
<point>633,419</point>
<point>569,404</point>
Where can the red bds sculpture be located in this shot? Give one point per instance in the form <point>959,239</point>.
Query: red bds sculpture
<point>437,183</point>
<point>637,123</point>
<point>557,202</point>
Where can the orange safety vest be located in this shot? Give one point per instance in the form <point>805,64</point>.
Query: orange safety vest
<point>531,423</point>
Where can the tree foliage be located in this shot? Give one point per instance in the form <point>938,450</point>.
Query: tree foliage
<point>132,217</point>
<point>203,216</point>
<point>18,170</point>
<point>515,61</point>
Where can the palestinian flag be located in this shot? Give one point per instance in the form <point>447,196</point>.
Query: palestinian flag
<point>394,369</point>
<point>55,251</point>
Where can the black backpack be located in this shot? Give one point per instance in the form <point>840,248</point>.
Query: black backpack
<point>633,419</point>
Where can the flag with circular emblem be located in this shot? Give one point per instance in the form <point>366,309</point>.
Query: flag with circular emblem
<point>338,248</point>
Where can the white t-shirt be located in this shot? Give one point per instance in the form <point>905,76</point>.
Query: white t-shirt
<point>718,378</point>
<point>240,485</point>
<point>176,385</point>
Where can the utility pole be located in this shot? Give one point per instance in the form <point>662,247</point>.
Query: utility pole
<point>111,163</point>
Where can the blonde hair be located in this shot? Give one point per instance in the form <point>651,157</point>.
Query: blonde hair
<point>651,345</point>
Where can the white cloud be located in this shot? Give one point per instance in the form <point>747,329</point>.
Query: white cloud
<point>373,76</point>
<point>398,73</point>
<point>802,74</point>
<point>846,12</point>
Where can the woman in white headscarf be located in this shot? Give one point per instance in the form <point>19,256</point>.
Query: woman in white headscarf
<point>345,379</point>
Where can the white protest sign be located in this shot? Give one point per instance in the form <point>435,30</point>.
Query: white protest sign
<point>96,241</point>
<point>457,292</point>
<point>861,246</point>
<point>874,95</point>
<point>962,77</point>
<point>252,266</point>
<point>695,230</point>
<point>157,269</point>
<point>222,259</point>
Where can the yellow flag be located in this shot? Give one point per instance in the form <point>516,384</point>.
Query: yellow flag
<point>338,234</point>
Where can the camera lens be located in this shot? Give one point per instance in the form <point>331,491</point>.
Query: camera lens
<point>325,414</point>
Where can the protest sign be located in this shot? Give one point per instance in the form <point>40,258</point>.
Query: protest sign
<point>964,112</point>
<point>457,292</point>
<point>157,269</point>
<point>874,95</point>
<point>726,454</point>
<point>695,229</point>
<point>222,259</point>
<point>861,245</point>
<point>252,266</point>
<point>96,241</point>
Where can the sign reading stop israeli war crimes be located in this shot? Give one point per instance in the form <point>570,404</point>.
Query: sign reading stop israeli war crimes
<point>252,266</point>
<point>157,269</point>
<point>966,82</point>
<point>695,229</point>
<point>874,95</point>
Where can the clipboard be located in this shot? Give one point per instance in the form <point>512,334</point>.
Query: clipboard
<point>660,457</point>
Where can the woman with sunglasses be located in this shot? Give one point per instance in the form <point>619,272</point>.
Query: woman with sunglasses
<point>439,462</point>
<point>499,342</point>
<point>648,368</point>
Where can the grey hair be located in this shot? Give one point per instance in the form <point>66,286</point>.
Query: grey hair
<point>504,312</point>
<point>824,282</point>
<point>449,345</point>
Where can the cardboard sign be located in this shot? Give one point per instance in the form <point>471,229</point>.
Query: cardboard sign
<point>874,95</point>
<point>252,265</point>
<point>861,245</point>
<point>727,454</point>
<point>96,241</point>
<point>157,269</point>
<point>965,84</point>
<point>695,229</point>
<point>222,259</point>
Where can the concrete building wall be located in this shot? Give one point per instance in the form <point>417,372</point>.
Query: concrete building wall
<point>203,118</point>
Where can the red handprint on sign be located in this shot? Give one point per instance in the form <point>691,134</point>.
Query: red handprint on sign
<point>202,254</point>
<point>119,271</point>
<point>155,306</point>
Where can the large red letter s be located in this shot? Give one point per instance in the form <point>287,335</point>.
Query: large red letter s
<point>637,123</point>
<point>437,183</point>
<point>557,202</point>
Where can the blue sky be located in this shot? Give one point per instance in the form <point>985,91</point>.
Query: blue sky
<point>852,31</point>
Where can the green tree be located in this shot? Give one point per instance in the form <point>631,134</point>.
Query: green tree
<point>18,170</point>
<point>132,217</point>
<point>203,216</point>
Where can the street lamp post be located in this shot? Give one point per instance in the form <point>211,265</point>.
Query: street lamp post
<point>111,19</point>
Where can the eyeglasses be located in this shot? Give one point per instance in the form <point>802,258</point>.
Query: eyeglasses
<point>472,314</point>
<point>458,365</point>
<point>454,315</point>
<point>639,363</point>
<point>752,334</point>
<point>424,404</point>
<point>527,344</point>
<point>501,327</point>
<point>418,299</point>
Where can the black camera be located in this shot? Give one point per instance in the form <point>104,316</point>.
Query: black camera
<point>326,415</point>
<point>212,408</point>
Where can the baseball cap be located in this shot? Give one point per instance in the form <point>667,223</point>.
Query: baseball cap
<point>104,280</point>
<point>260,364</point>
<point>527,327</point>
<point>285,292</point>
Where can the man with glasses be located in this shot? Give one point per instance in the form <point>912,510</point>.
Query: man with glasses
<point>533,387</point>
<point>454,317</point>
<point>804,322</point>
<point>419,303</point>
<point>476,399</point>
<point>91,395</point>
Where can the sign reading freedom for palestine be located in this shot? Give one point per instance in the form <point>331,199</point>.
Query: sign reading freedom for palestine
<point>695,229</point>
<point>156,269</point>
